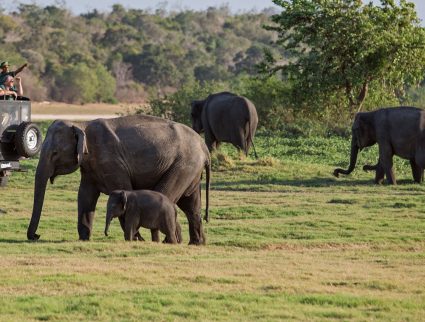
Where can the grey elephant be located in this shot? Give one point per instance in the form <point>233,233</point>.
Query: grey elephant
<point>398,131</point>
<point>225,117</point>
<point>144,208</point>
<point>125,153</point>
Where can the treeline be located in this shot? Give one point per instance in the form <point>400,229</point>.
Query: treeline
<point>127,54</point>
<point>310,61</point>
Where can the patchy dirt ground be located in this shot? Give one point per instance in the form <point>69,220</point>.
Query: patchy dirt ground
<point>56,108</point>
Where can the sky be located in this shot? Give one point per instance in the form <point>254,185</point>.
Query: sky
<point>83,6</point>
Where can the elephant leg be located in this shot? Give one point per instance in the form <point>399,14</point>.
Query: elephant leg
<point>137,235</point>
<point>210,141</point>
<point>417,171</point>
<point>88,195</point>
<point>170,234</point>
<point>129,230</point>
<point>379,174</point>
<point>185,190</point>
<point>237,138</point>
<point>155,235</point>
<point>178,232</point>
<point>170,239</point>
<point>191,206</point>
<point>386,161</point>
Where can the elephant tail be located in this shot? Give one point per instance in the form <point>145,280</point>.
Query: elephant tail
<point>207,196</point>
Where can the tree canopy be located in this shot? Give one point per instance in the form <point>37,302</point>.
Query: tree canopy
<point>343,48</point>
<point>135,52</point>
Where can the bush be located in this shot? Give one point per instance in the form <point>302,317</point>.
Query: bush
<point>176,106</point>
<point>83,84</point>
<point>271,99</point>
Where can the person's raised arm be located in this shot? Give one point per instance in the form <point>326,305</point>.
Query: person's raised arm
<point>19,89</point>
<point>20,69</point>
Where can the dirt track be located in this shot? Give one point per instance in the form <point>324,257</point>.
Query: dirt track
<point>71,117</point>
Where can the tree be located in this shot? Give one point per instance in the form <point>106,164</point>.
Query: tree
<point>80,83</point>
<point>343,46</point>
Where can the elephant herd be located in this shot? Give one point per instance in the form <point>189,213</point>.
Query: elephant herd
<point>148,165</point>
<point>143,153</point>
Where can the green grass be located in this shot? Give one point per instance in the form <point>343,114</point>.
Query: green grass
<point>286,241</point>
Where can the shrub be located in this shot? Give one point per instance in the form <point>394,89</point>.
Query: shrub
<point>83,84</point>
<point>176,106</point>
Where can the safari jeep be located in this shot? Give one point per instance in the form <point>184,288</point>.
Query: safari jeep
<point>19,138</point>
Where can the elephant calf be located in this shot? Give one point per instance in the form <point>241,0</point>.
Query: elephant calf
<point>144,208</point>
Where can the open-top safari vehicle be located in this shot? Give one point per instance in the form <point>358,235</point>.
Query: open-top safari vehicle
<point>19,138</point>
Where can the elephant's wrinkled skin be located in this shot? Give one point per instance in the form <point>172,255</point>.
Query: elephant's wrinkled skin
<point>144,208</point>
<point>126,153</point>
<point>398,131</point>
<point>225,117</point>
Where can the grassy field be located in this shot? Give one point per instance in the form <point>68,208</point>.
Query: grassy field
<point>286,241</point>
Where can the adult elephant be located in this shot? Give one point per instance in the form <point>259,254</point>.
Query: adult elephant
<point>398,131</point>
<point>225,117</point>
<point>125,153</point>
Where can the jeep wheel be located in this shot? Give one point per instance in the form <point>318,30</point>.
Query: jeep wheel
<point>28,139</point>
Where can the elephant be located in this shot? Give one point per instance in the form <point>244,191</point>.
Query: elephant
<point>398,131</point>
<point>125,153</point>
<point>144,208</point>
<point>225,117</point>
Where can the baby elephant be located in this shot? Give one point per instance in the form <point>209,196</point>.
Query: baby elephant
<point>144,208</point>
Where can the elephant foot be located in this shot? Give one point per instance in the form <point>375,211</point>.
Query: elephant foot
<point>198,241</point>
<point>138,237</point>
<point>33,237</point>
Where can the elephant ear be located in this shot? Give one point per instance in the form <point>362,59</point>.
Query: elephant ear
<point>357,129</point>
<point>81,144</point>
<point>363,129</point>
<point>124,200</point>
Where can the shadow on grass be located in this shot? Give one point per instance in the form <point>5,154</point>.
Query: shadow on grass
<point>317,182</point>
<point>26,241</point>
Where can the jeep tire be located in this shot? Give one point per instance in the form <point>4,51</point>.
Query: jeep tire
<point>28,139</point>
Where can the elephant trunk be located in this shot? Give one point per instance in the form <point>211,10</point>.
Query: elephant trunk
<point>109,217</point>
<point>41,177</point>
<point>353,160</point>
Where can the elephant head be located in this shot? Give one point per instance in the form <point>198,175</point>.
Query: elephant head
<point>363,134</point>
<point>61,153</point>
<point>196,115</point>
<point>116,207</point>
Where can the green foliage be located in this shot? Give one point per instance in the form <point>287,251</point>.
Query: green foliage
<point>348,48</point>
<point>83,84</point>
<point>143,50</point>
<point>177,106</point>
<point>106,84</point>
<point>271,99</point>
<point>416,96</point>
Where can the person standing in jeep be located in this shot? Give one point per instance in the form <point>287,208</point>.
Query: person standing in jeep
<point>4,66</point>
